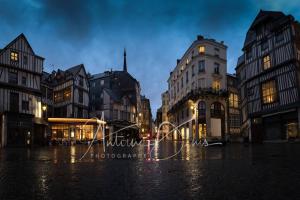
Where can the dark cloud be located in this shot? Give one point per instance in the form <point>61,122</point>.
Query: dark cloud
<point>155,32</point>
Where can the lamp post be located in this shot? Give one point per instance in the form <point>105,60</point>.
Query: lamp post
<point>44,108</point>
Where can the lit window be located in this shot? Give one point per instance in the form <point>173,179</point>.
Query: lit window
<point>269,92</point>
<point>58,97</point>
<point>67,94</point>
<point>233,100</point>
<point>216,85</point>
<point>202,49</point>
<point>266,62</point>
<point>14,56</point>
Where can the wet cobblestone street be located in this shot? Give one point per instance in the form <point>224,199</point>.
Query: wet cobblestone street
<point>234,171</point>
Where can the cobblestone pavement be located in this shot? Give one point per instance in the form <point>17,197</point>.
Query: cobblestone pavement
<point>234,171</point>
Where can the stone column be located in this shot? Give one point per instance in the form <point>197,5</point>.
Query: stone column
<point>190,130</point>
<point>208,124</point>
<point>196,122</point>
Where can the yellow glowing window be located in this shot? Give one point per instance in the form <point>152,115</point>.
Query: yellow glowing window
<point>14,56</point>
<point>202,49</point>
<point>266,62</point>
<point>233,100</point>
<point>216,85</point>
<point>202,130</point>
<point>269,92</point>
<point>67,94</point>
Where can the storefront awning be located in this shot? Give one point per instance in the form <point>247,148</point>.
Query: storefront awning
<point>76,120</point>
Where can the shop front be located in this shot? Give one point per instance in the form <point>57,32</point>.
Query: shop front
<point>74,130</point>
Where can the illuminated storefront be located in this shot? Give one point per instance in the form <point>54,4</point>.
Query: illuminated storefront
<point>74,129</point>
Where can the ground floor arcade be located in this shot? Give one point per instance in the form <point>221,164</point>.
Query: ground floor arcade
<point>202,119</point>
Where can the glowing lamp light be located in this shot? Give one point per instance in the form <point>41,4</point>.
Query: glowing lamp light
<point>44,108</point>
<point>72,133</point>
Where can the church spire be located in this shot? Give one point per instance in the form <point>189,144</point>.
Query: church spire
<point>125,64</point>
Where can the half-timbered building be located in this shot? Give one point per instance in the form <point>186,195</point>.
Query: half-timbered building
<point>20,95</point>
<point>233,108</point>
<point>268,73</point>
<point>65,94</point>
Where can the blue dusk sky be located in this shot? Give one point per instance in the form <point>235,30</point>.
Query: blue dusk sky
<point>154,32</point>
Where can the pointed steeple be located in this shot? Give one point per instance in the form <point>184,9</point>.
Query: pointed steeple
<point>125,63</point>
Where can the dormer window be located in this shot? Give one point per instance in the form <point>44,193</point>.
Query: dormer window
<point>201,49</point>
<point>14,56</point>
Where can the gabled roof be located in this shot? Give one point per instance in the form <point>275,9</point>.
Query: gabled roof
<point>17,38</point>
<point>261,17</point>
<point>59,76</point>
<point>75,70</point>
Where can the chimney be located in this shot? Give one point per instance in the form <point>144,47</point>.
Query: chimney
<point>178,60</point>
<point>200,37</point>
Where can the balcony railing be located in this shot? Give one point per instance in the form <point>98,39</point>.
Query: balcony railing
<point>195,94</point>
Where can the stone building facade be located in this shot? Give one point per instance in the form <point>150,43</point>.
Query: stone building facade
<point>197,91</point>
<point>146,118</point>
<point>117,95</point>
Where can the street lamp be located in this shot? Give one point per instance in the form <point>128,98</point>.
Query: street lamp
<point>44,107</point>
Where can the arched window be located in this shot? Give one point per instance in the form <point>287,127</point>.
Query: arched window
<point>201,109</point>
<point>217,110</point>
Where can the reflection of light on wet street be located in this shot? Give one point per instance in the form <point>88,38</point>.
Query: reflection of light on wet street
<point>195,173</point>
<point>187,151</point>
<point>73,154</point>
